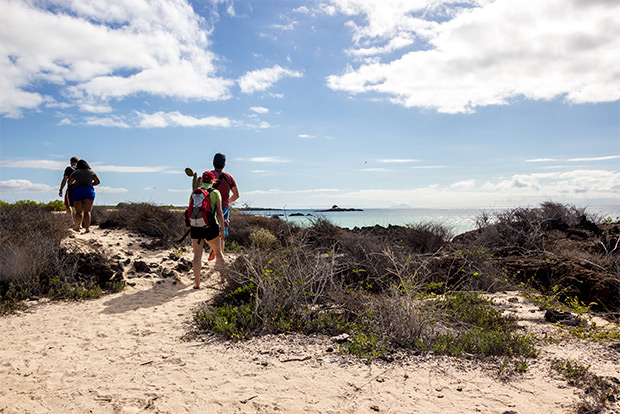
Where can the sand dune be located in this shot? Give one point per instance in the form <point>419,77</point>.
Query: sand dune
<point>125,353</point>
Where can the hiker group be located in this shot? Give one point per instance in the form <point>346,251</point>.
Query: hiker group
<point>208,215</point>
<point>81,181</point>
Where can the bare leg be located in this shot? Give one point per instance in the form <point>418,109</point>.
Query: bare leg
<point>197,263</point>
<point>79,208</point>
<point>87,206</point>
<point>68,207</point>
<point>220,263</point>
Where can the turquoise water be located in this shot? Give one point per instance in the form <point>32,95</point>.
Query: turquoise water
<point>457,220</point>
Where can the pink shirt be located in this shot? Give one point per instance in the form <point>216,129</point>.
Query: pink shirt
<point>223,187</point>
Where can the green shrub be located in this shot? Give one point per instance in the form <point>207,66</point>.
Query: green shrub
<point>598,391</point>
<point>263,239</point>
<point>55,205</point>
<point>230,321</point>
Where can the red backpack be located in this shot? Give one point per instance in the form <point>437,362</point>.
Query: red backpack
<point>202,216</point>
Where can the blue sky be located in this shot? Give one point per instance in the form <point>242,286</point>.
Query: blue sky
<point>359,103</point>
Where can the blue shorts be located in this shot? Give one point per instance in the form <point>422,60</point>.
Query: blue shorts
<point>83,193</point>
<point>226,213</point>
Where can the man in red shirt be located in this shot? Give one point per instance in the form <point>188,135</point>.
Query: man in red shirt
<point>225,186</point>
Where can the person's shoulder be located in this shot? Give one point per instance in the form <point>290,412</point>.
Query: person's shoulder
<point>229,176</point>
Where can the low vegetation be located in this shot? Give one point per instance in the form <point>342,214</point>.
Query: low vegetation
<point>33,262</point>
<point>378,291</point>
<point>597,391</point>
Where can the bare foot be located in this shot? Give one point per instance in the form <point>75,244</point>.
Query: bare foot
<point>77,229</point>
<point>87,231</point>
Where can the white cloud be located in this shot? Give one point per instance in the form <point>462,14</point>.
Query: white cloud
<point>397,160</point>
<point>274,160</point>
<point>61,165</point>
<point>94,50</point>
<point>104,189</point>
<point>24,186</point>
<point>488,54</point>
<point>302,10</point>
<point>127,169</point>
<point>464,185</point>
<point>285,27</point>
<point>263,79</point>
<point>306,136</point>
<point>279,192</point>
<point>259,110</point>
<point>541,160</point>
<point>165,119</point>
<point>34,164</point>
<point>379,170</point>
<point>611,157</point>
<point>110,122</point>
<point>96,109</point>
<point>585,187</point>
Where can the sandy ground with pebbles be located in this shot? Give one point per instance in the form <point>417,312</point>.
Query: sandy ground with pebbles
<point>126,353</point>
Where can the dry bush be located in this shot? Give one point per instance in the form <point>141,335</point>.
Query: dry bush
<point>32,261</point>
<point>243,225</point>
<point>164,223</point>
<point>286,287</point>
<point>426,237</point>
<point>298,288</point>
<point>30,239</point>
<point>524,228</point>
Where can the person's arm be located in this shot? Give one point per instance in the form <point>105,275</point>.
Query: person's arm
<point>220,219</point>
<point>235,194</point>
<point>96,180</point>
<point>62,185</point>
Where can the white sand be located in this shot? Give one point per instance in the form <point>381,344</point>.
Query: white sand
<point>124,353</point>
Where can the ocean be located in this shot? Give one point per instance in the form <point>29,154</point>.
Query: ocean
<point>457,220</point>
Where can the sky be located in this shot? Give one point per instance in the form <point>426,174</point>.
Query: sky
<point>355,103</point>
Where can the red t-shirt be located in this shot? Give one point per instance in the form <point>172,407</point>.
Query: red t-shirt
<point>223,187</point>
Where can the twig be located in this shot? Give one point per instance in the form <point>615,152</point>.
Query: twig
<point>297,359</point>
<point>147,363</point>
<point>248,399</point>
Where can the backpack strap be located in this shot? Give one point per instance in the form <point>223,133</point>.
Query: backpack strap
<point>207,194</point>
<point>225,177</point>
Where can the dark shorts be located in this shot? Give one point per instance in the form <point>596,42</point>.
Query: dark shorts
<point>69,196</point>
<point>83,193</point>
<point>204,233</point>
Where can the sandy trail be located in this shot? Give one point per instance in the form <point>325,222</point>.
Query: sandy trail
<point>124,353</point>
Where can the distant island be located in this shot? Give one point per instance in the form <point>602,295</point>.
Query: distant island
<point>336,208</point>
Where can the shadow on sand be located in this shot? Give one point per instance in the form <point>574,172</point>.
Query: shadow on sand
<point>157,295</point>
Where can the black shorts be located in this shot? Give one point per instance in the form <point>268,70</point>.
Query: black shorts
<point>69,196</point>
<point>204,233</point>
